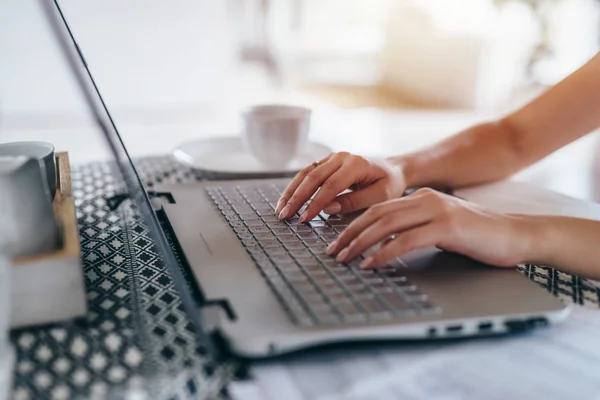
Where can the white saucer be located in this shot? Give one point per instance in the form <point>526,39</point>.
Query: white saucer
<point>228,155</point>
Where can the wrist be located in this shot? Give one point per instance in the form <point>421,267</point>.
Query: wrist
<point>533,236</point>
<point>405,164</point>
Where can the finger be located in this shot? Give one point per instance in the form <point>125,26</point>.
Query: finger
<point>296,181</point>
<point>369,217</point>
<point>333,185</point>
<point>358,200</point>
<point>291,187</point>
<point>401,221</point>
<point>308,186</point>
<point>422,236</point>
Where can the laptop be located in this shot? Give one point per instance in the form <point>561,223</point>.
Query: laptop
<point>264,287</point>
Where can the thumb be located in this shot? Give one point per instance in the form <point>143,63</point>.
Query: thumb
<point>357,200</point>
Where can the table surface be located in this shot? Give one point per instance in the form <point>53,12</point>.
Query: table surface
<point>136,328</point>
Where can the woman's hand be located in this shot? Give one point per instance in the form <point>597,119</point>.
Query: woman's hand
<point>429,218</point>
<point>372,181</point>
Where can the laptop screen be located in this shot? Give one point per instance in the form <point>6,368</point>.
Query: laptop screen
<point>73,55</point>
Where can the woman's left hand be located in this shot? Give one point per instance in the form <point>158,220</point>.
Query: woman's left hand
<point>429,218</point>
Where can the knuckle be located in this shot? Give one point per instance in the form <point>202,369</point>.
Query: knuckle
<point>340,156</point>
<point>426,192</point>
<point>355,160</point>
<point>305,171</point>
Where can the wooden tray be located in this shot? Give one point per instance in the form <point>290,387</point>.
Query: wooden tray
<point>49,287</point>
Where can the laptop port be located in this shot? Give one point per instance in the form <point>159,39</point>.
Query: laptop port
<point>516,326</point>
<point>485,326</point>
<point>454,328</point>
<point>537,322</point>
<point>432,331</point>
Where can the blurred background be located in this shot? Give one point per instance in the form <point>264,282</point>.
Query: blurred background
<point>171,70</point>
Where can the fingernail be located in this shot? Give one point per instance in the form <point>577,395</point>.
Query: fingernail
<point>279,206</point>
<point>331,248</point>
<point>284,213</point>
<point>303,217</point>
<point>333,208</point>
<point>342,256</point>
<point>366,263</point>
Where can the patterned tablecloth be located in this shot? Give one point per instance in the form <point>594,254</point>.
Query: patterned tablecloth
<point>137,336</point>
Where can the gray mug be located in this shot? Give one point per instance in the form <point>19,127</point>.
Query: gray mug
<point>27,218</point>
<point>42,151</point>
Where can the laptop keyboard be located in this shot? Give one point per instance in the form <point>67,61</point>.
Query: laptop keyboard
<point>313,288</point>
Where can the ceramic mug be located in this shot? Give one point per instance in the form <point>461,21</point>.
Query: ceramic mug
<point>276,134</point>
<point>43,151</point>
<point>26,213</point>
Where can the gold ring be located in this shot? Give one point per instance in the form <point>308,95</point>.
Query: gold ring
<point>316,163</point>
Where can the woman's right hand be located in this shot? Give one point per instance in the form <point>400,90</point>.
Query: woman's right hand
<point>371,181</point>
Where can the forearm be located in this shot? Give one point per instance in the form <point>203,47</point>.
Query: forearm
<point>480,154</point>
<point>568,244</point>
<point>493,151</point>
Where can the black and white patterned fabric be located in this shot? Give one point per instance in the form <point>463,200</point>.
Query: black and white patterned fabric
<point>137,338</point>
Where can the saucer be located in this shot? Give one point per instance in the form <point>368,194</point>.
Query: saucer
<point>229,156</point>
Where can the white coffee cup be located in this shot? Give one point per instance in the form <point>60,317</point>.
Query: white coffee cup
<point>276,134</point>
<point>26,213</point>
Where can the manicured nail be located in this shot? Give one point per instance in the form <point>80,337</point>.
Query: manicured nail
<point>342,256</point>
<point>333,208</point>
<point>331,248</point>
<point>284,213</point>
<point>367,262</point>
<point>279,207</point>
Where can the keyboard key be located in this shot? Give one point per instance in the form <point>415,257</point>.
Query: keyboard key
<point>347,308</point>
<point>287,237</point>
<point>359,290</point>
<point>329,237</point>
<point>279,258</point>
<point>253,222</point>
<point>317,273</point>
<point>301,229</point>
<point>265,212</point>
<point>312,297</point>
<point>270,218</point>
<point>259,229</point>
<point>317,223</point>
<point>294,276</point>
<point>324,230</point>
<point>313,243</point>
<point>315,270</point>
<point>303,253</point>
<point>292,245</point>
<point>305,289</point>
<point>395,302</point>
<point>307,234</point>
